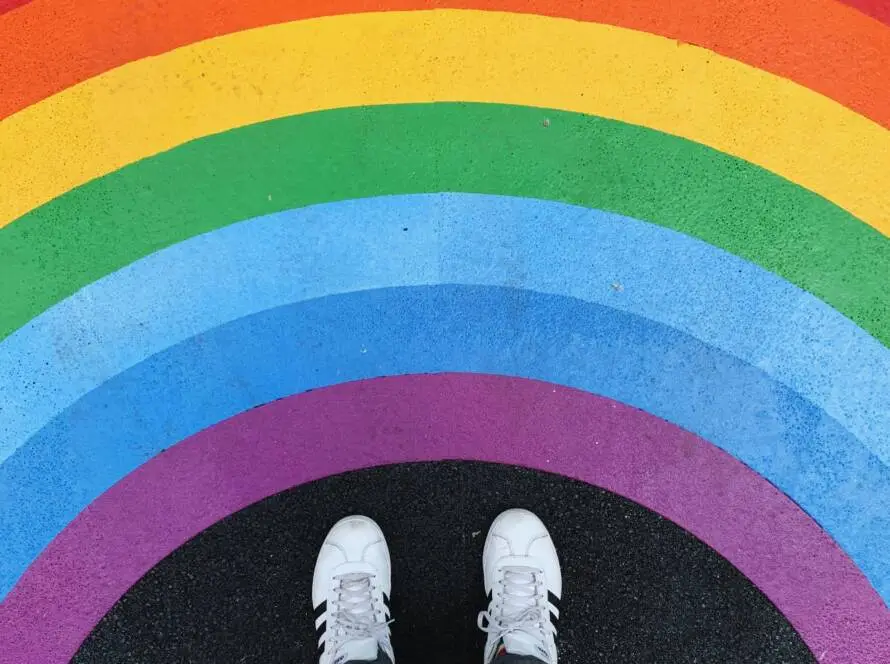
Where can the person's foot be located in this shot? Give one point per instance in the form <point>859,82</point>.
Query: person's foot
<point>524,584</point>
<point>350,594</point>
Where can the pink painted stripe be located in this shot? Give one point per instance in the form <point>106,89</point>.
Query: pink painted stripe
<point>187,488</point>
<point>877,9</point>
<point>9,5</point>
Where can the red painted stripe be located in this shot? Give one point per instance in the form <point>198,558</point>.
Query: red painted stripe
<point>9,5</point>
<point>824,45</point>
<point>879,9</point>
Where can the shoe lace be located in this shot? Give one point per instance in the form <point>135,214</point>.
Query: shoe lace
<point>520,608</point>
<point>355,614</point>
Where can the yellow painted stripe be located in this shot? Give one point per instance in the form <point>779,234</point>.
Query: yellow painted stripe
<point>152,105</point>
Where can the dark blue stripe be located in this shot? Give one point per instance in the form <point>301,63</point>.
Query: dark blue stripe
<point>290,349</point>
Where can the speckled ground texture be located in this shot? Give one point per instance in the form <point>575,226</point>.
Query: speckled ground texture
<point>638,589</point>
<point>247,247</point>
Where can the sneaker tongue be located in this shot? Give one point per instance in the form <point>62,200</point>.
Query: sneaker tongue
<point>522,644</point>
<point>359,650</point>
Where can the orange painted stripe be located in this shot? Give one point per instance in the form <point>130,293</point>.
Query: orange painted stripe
<point>879,9</point>
<point>50,45</point>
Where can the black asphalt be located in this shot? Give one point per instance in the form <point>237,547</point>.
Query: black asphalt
<point>638,589</point>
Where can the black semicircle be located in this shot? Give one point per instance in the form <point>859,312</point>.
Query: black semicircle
<point>637,587</point>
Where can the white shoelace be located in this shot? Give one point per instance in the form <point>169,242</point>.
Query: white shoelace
<point>522,607</point>
<point>355,614</point>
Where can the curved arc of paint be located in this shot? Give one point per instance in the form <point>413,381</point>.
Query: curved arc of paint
<point>417,240</point>
<point>172,497</point>
<point>342,338</point>
<point>210,183</point>
<point>152,105</point>
<point>821,44</point>
<point>877,9</point>
<point>9,5</point>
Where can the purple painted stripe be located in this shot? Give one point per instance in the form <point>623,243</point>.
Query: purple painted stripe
<point>262,451</point>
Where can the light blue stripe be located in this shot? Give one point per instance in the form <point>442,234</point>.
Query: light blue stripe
<point>548,247</point>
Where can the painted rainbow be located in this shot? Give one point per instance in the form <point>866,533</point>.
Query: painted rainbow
<point>676,210</point>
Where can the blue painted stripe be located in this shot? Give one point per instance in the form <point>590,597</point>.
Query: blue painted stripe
<point>360,335</point>
<point>450,238</point>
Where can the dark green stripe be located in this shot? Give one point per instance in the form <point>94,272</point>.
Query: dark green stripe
<point>349,153</point>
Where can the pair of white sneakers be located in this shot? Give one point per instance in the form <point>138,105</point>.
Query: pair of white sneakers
<point>352,584</point>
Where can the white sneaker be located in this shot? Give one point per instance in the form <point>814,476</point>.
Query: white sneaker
<point>524,584</point>
<point>350,593</point>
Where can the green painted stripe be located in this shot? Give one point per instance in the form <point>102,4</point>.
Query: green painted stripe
<point>349,153</point>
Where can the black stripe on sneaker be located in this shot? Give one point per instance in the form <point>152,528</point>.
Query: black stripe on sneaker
<point>320,609</point>
<point>322,628</point>
<point>553,599</point>
<point>490,595</point>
